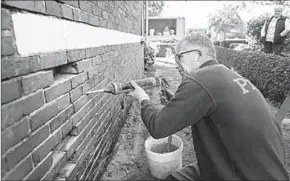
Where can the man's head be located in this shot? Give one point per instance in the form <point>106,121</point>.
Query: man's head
<point>192,51</point>
<point>278,11</point>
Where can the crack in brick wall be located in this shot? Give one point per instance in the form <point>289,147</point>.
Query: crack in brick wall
<point>50,127</point>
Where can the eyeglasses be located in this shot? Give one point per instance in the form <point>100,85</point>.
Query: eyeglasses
<point>178,56</point>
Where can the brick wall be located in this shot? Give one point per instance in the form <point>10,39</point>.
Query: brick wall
<point>50,127</point>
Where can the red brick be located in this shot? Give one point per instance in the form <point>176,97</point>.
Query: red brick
<point>94,20</point>
<point>59,179</point>
<point>101,50</point>
<point>76,93</point>
<point>91,52</point>
<point>67,11</point>
<point>102,67</point>
<point>79,79</point>
<point>14,134</point>
<point>81,113</point>
<point>15,110</point>
<point>89,148</point>
<point>98,129</point>
<point>4,167</point>
<point>53,8</point>
<point>74,142</point>
<point>81,102</point>
<point>58,88</point>
<point>76,55</point>
<point>105,14</point>
<point>66,128</point>
<point>59,158</point>
<point>53,60</point>
<point>41,116</point>
<point>97,11</point>
<point>71,3</point>
<point>88,85</point>
<point>57,121</point>
<point>101,4</point>
<point>6,23</point>
<point>68,169</point>
<point>93,164</point>
<point>93,72</point>
<point>63,101</point>
<point>81,171</point>
<point>10,90</point>
<point>20,171</point>
<point>98,80</point>
<point>76,14</point>
<point>36,81</point>
<point>97,60</point>
<point>84,17</point>
<point>97,103</point>
<point>81,148</point>
<point>112,4</point>
<point>14,66</point>
<point>111,17</point>
<point>36,6</point>
<point>86,6</point>
<point>41,169</point>
<point>42,151</point>
<point>27,146</point>
<point>79,126</point>
<point>7,45</point>
<point>101,166</point>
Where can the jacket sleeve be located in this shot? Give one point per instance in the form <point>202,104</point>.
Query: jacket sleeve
<point>263,33</point>
<point>191,103</point>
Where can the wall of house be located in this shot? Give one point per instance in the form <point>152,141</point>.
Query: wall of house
<point>53,52</point>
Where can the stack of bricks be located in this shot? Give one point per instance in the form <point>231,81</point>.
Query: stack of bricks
<point>50,128</point>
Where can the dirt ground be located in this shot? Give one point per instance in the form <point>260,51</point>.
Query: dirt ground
<point>128,161</point>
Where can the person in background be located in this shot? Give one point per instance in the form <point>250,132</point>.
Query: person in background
<point>274,31</point>
<point>234,133</point>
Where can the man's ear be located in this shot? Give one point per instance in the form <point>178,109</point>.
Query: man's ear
<point>199,58</point>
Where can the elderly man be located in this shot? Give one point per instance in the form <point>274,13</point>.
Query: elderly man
<point>234,133</point>
<point>274,31</point>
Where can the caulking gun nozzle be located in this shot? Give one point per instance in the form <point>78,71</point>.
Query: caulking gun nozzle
<point>96,91</point>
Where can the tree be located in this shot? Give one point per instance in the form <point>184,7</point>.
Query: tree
<point>253,32</point>
<point>155,8</point>
<point>273,2</point>
<point>227,15</point>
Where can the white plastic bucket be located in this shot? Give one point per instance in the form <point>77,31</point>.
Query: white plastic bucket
<point>163,164</point>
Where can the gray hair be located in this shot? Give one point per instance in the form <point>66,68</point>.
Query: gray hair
<point>196,39</point>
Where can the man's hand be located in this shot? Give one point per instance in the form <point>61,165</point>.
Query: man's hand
<point>165,95</point>
<point>138,93</point>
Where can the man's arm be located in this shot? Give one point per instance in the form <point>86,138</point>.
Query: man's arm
<point>190,104</point>
<point>287,27</point>
<point>263,30</point>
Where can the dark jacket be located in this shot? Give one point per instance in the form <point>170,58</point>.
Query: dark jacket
<point>234,133</point>
<point>280,26</point>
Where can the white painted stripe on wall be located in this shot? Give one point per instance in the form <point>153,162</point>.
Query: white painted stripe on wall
<point>40,34</point>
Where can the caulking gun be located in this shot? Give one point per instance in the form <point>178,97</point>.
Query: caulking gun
<point>119,88</point>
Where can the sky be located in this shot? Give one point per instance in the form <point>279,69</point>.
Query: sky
<point>196,12</point>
